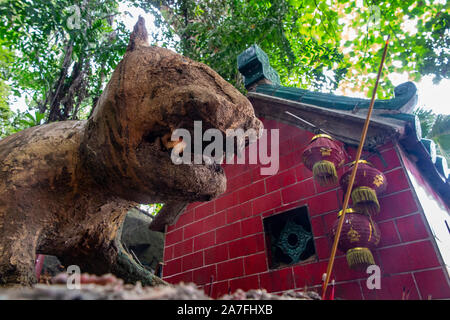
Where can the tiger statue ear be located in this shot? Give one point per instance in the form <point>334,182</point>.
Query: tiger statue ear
<point>139,36</point>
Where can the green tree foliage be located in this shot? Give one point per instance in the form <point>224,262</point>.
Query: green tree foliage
<point>30,120</point>
<point>440,133</point>
<point>300,38</point>
<point>436,128</point>
<point>314,44</point>
<point>63,52</point>
<point>5,111</point>
<point>152,209</point>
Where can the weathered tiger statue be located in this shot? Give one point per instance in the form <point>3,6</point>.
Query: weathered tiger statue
<point>65,187</point>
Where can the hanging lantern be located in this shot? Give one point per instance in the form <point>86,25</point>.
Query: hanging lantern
<point>369,182</point>
<point>359,235</point>
<point>323,156</point>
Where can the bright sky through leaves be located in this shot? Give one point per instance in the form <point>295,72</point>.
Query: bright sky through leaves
<point>434,97</point>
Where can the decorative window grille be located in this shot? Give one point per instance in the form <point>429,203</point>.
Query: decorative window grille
<point>289,238</point>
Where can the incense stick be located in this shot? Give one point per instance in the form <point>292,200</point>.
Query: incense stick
<point>353,175</point>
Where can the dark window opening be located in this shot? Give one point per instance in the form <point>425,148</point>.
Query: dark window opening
<point>289,238</point>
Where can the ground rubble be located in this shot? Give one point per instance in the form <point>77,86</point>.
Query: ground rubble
<point>108,287</point>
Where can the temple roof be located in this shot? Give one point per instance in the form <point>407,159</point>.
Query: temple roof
<point>343,117</point>
<point>404,101</point>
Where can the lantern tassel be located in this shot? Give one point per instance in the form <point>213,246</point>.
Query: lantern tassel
<point>359,258</point>
<point>365,199</point>
<point>325,172</point>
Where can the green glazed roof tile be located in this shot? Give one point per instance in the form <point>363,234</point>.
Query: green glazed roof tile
<point>403,94</point>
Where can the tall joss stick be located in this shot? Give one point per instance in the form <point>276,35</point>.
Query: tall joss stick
<point>352,177</point>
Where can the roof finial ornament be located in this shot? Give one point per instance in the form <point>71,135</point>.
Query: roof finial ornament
<point>254,65</point>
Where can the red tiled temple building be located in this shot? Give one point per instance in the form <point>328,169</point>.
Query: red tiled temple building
<point>226,244</point>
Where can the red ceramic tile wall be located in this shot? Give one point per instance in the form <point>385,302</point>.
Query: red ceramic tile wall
<point>220,244</point>
<point>392,288</point>
<point>277,280</point>
<point>348,291</point>
<point>433,284</point>
<point>244,283</point>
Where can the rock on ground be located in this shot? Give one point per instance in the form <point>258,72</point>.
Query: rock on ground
<point>145,244</point>
<point>108,287</point>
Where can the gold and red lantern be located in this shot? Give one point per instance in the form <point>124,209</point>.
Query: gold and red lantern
<point>369,183</point>
<point>359,235</point>
<point>323,156</point>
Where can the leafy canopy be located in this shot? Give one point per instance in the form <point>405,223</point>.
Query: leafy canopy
<point>313,44</point>
<point>61,52</point>
<point>436,128</point>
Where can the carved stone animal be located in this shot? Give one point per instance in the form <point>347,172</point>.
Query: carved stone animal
<point>65,187</point>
